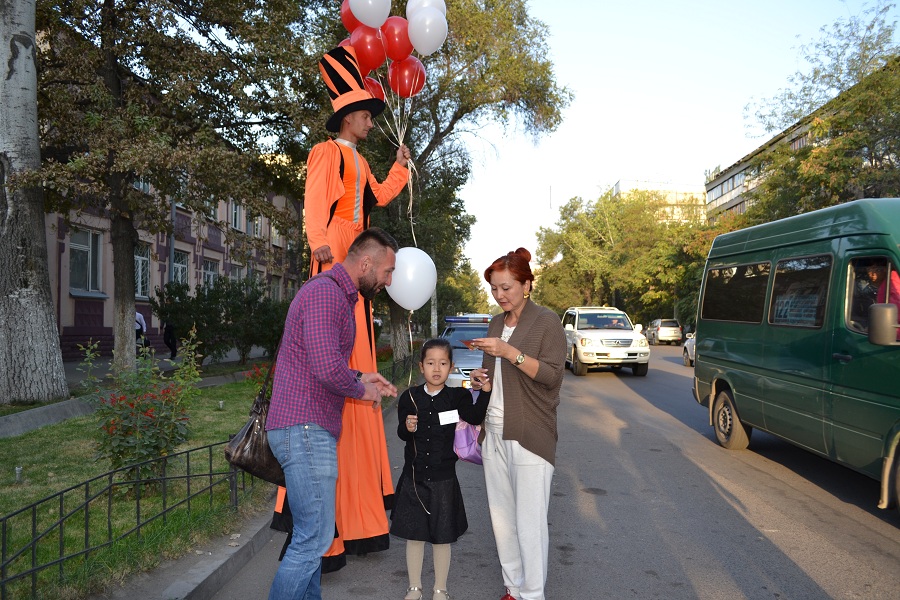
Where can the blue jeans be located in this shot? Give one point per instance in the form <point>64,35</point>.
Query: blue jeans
<point>308,455</point>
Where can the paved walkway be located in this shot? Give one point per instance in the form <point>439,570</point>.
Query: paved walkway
<point>75,376</point>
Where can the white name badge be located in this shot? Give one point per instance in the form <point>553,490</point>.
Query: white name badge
<point>449,416</point>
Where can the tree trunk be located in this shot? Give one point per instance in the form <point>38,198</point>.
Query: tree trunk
<point>32,367</point>
<point>122,231</point>
<point>124,237</point>
<point>400,335</point>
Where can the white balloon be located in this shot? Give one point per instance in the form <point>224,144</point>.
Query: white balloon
<point>413,6</point>
<point>413,280</point>
<point>427,30</point>
<point>371,12</point>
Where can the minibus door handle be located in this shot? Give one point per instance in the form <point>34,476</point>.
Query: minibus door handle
<point>845,358</point>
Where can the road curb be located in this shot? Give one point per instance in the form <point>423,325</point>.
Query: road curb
<point>207,577</point>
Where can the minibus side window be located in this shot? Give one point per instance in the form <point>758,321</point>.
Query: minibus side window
<point>736,293</point>
<point>867,279</point>
<point>799,291</point>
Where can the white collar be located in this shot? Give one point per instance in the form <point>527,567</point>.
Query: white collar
<point>346,143</point>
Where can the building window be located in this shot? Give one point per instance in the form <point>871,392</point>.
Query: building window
<point>236,272</point>
<point>275,288</point>
<point>212,209</point>
<point>142,271</point>
<point>141,185</point>
<point>84,260</point>
<point>254,226</point>
<point>210,271</point>
<point>180,267</point>
<point>276,237</point>
<point>237,216</point>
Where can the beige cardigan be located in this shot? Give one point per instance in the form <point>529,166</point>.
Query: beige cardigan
<point>529,405</point>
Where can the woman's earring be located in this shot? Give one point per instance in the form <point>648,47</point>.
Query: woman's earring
<point>527,294</point>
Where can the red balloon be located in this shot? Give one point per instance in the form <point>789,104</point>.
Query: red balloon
<point>396,38</point>
<point>369,48</point>
<point>407,76</point>
<point>345,42</point>
<point>374,87</point>
<point>347,17</point>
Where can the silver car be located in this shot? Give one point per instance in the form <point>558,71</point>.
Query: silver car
<point>689,353</point>
<point>457,330</point>
<point>664,330</point>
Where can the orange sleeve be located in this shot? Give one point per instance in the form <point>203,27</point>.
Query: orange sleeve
<point>392,185</point>
<point>323,186</point>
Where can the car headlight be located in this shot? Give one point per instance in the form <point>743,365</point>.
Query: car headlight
<point>457,371</point>
<point>642,343</point>
<point>585,341</point>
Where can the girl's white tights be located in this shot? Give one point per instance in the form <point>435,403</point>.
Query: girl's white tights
<point>415,556</point>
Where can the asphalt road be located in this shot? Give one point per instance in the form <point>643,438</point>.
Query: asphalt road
<point>646,505</point>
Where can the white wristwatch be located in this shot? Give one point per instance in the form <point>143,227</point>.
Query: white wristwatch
<point>520,359</point>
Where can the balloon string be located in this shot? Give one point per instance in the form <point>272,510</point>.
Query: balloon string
<point>397,127</point>
<point>413,361</point>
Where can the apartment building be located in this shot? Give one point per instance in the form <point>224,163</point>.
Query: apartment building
<point>683,203</point>
<point>81,266</point>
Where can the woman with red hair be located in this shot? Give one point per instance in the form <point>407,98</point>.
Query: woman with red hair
<point>524,353</point>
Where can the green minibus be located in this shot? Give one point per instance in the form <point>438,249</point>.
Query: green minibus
<point>797,336</point>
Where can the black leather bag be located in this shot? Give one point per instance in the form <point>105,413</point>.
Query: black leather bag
<point>249,449</point>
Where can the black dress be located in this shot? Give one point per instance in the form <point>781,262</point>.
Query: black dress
<point>428,502</point>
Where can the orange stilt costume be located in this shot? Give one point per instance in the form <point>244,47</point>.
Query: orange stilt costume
<point>340,195</point>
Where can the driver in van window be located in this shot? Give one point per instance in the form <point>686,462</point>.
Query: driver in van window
<point>866,291</point>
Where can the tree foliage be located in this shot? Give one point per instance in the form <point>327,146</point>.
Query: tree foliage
<point>186,96</point>
<point>852,151</point>
<point>617,251</point>
<point>846,53</point>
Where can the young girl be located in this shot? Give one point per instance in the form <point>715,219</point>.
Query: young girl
<point>428,501</point>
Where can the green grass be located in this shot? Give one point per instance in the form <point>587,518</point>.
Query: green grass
<point>59,456</point>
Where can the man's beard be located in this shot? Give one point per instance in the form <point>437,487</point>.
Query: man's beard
<point>368,287</point>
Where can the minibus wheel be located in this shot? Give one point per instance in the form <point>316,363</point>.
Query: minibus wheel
<point>730,432</point>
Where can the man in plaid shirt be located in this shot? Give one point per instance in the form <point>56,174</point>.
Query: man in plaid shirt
<point>311,381</point>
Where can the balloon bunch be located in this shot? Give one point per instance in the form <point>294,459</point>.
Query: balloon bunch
<point>376,36</point>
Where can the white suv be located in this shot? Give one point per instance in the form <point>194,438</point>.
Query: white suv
<point>604,336</point>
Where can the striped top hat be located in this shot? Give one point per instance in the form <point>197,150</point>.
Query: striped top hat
<point>340,70</point>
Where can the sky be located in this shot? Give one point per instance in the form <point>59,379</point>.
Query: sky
<point>659,95</point>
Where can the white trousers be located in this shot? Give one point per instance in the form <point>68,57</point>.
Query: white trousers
<point>518,492</point>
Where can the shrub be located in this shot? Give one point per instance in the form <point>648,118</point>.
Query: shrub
<point>144,415</point>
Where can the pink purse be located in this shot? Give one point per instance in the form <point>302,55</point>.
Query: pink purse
<point>465,440</point>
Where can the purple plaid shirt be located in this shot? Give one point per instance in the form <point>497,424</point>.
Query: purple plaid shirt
<point>312,377</point>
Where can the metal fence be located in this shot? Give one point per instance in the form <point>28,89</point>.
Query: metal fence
<point>44,542</point>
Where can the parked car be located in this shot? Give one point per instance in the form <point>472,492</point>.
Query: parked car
<point>604,336</point>
<point>689,352</point>
<point>456,330</point>
<point>664,330</point>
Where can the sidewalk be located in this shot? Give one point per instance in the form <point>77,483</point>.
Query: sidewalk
<point>75,377</point>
